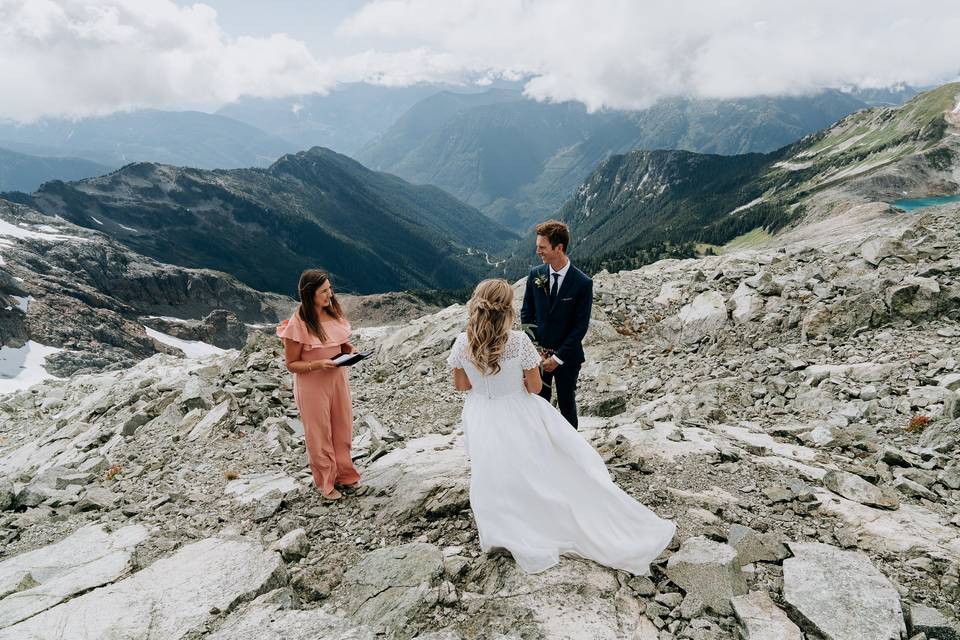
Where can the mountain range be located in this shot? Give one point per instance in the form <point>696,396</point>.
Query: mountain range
<point>343,120</point>
<point>644,205</point>
<point>188,138</point>
<point>518,160</point>
<point>372,231</point>
<point>25,172</point>
<point>375,232</point>
<point>253,132</point>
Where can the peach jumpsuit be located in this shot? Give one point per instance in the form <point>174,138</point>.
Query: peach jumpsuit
<point>323,398</point>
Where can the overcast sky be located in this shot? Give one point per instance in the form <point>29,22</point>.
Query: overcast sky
<point>84,57</point>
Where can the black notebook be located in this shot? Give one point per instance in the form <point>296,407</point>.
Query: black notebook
<point>347,359</point>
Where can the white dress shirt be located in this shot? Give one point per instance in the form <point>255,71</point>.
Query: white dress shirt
<point>562,273</point>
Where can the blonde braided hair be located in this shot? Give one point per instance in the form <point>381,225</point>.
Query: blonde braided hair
<point>491,316</point>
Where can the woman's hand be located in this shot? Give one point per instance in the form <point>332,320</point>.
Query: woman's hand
<point>323,364</point>
<point>346,347</point>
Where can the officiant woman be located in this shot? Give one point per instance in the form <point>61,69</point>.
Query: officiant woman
<point>317,332</point>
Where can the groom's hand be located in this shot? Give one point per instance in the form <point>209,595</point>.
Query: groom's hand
<point>549,364</point>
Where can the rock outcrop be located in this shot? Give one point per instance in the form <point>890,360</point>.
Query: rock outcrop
<point>67,287</point>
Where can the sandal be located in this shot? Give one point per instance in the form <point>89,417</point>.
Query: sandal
<point>333,495</point>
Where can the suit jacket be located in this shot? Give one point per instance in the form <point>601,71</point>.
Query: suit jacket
<point>562,325</point>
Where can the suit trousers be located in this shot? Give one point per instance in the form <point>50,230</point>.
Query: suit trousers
<point>564,378</point>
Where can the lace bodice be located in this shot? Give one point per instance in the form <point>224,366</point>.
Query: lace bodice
<point>518,354</point>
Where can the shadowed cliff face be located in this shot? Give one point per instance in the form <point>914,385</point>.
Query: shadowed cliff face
<point>373,232</point>
<point>71,288</point>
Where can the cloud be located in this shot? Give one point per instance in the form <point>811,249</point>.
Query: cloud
<point>628,54</point>
<point>79,58</point>
<point>88,57</point>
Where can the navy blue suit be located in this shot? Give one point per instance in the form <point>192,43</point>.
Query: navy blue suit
<point>560,326</point>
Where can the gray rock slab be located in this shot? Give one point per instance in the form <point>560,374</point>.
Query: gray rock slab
<point>66,479</point>
<point>7,494</point>
<point>88,558</point>
<point>15,582</point>
<point>941,435</point>
<point>207,424</point>
<point>133,423</point>
<point>913,489</point>
<point>934,624</point>
<point>746,303</point>
<point>950,478</point>
<point>169,600</point>
<point>572,600</point>
<point>389,587</point>
<point>252,487</point>
<point>951,381</point>
<point>761,619</point>
<point>265,620</point>
<point>755,547</point>
<point>853,487</point>
<point>292,546</point>
<point>876,249</point>
<point>98,499</point>
<point>195,395</point>
<point>705,314</point>
<point>710,570</point>
<point>841,595</point>
<point>907,529</point>
<point>428,475</point>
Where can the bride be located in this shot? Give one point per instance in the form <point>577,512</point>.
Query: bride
<point>537,488</point>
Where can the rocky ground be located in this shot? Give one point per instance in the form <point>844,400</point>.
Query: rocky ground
<point>793,408</point>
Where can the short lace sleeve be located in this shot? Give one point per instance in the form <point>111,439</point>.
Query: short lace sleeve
<point>529,356</point>
<point>455,359</point>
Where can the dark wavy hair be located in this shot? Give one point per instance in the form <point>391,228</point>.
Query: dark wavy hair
<point>310,281</point>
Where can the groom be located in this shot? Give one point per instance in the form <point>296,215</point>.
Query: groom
<point>558,300</point>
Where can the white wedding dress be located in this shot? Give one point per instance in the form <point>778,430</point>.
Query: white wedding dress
<point>537,488</point>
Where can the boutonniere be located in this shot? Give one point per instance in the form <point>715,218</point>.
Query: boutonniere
<point>542,282</point>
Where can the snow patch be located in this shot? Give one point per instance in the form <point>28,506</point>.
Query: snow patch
<point>97,221</point>
<point>22,302</point>
<point>131,229</point>
<point>170,319</point>
<point>747,206</point>
<point>793,166</point>
<point>13,231</point>
<point>22,367</point>
<point>191,348</point>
